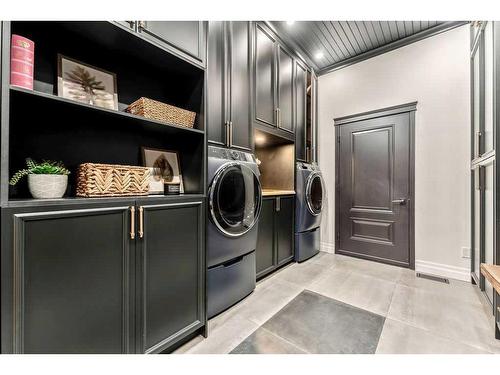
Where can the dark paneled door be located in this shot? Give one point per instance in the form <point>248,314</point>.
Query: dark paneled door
<point>300,112</point>
<point>241,130</point>
<point>374,189</point>
<point>170,270</point>
<point>285,229</point>
<point>72,282</point>
<point>265,76</point>
<point>264,253</point>
<point>285,90</point>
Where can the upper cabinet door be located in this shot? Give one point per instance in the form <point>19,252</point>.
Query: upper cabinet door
<point>488,87</point>
<point>300,111</point>
<point>265,85</point>
<point>216,80</point>
<point>240,107</point>
<point>186,37</point>
<point>170,280</point>
<point>285,90</point>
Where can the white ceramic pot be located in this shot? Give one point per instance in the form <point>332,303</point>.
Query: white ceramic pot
<point>46,186</point>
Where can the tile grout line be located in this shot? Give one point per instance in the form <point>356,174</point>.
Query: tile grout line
<point>286,340</point>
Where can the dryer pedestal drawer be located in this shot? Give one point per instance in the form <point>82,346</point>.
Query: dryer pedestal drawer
<point>306,244</point>
<point>229,283</point>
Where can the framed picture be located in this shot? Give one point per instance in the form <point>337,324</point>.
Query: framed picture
<point>86,84</point>
<point>165,167</point>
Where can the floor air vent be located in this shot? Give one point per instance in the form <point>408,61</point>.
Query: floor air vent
<point>433,278</point>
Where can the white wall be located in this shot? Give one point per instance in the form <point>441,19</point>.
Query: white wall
<point>434,72</point>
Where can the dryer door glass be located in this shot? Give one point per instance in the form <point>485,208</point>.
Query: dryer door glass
<point>235,199</point>
<point>315,194</point>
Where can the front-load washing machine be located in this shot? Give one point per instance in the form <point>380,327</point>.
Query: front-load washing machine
<point>310,194</point>
<point>234,204</point>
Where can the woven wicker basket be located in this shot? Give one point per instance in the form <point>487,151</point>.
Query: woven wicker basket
<point>107,180</point>
<point>159,111</point>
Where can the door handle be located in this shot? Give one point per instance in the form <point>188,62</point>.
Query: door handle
<point>141,222</point>
<point>477,144</point>
<point>278,204</point>
<point>132,222</point>
<point>401,202</point>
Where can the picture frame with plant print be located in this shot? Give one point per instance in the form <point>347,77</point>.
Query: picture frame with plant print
<point>86,84</point>
<point>165,166</point>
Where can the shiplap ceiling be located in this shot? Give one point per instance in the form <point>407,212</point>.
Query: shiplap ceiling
<point>341,41</point>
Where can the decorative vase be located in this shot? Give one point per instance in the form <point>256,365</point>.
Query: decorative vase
<point>47,186</point>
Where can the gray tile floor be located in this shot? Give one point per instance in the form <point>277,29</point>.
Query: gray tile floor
<point>386,309</point>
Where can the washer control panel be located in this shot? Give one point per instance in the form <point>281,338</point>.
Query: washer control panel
<point>224,153</point>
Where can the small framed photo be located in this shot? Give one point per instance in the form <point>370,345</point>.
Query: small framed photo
<point>86,84</point>
<point>165,168</point>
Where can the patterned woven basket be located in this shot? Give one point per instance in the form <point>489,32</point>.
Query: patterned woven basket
<point>159,111</point>
<point>107,180</point>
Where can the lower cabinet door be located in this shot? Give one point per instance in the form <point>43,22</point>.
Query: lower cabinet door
<point>71,286</point>
<point>285,229</point>
<point>170,274</point>
<point>264,253</point>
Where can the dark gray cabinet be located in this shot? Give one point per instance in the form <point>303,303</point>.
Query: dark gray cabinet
<point>285,90</point>
<point>274,81</point>
<point>284,229</point>
<point>275,245</point>
<point>119,278</point>
<point>265,77</point>
<point>300,111</point>
<point>71,282</point>
<point>228,77</point>
<point>184,37</point>
<point>264,253</point>
<point>169,260</point>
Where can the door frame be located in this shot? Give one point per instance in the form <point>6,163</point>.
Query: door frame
<point>409,108</point>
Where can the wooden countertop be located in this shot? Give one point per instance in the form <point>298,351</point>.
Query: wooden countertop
<point>272,192</point>
<point>492,274</point>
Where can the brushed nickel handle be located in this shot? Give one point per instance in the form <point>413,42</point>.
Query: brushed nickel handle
<point>132,222</point>
<point>230,134</point>
<point>277,116</point>
<point>278,204</point>
<point>401,202</point>
<point>226,131</point>
<point>141,25</point>
<point>141,222</point>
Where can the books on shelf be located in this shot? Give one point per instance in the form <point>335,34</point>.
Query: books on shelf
<point>22,59</point>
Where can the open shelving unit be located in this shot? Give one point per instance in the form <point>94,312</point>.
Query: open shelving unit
<point>41,125</point>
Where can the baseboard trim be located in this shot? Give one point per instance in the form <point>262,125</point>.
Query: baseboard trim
<point>444,270</point>
<point>327,247</point>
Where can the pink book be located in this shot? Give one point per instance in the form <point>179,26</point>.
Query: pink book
<point>22,59</point>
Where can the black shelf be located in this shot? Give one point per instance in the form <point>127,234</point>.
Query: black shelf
<point>77,201</point>
<point>105,111</point>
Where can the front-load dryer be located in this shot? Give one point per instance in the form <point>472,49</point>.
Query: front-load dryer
<point>234,204</point>
<point>310,194</point>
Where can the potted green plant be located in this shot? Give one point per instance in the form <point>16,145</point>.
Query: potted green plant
<point>47,179</point>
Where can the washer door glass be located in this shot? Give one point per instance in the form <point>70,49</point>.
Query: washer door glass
<point>235,199</point>
<point>314,194</point>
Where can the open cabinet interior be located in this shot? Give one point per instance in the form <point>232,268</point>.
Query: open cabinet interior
<point>277,162</point>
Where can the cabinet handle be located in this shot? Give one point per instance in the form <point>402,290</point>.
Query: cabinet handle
<point>277,116</point>
<point>278,204</point>
<point>141,25</point>
<point>141,222</point>
<point>132,222</point>
<point>226,129</point>
<point>230,134</point>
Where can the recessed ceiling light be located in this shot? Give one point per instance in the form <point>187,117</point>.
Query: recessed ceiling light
<point>319,55</point>
<point>290,23</point>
